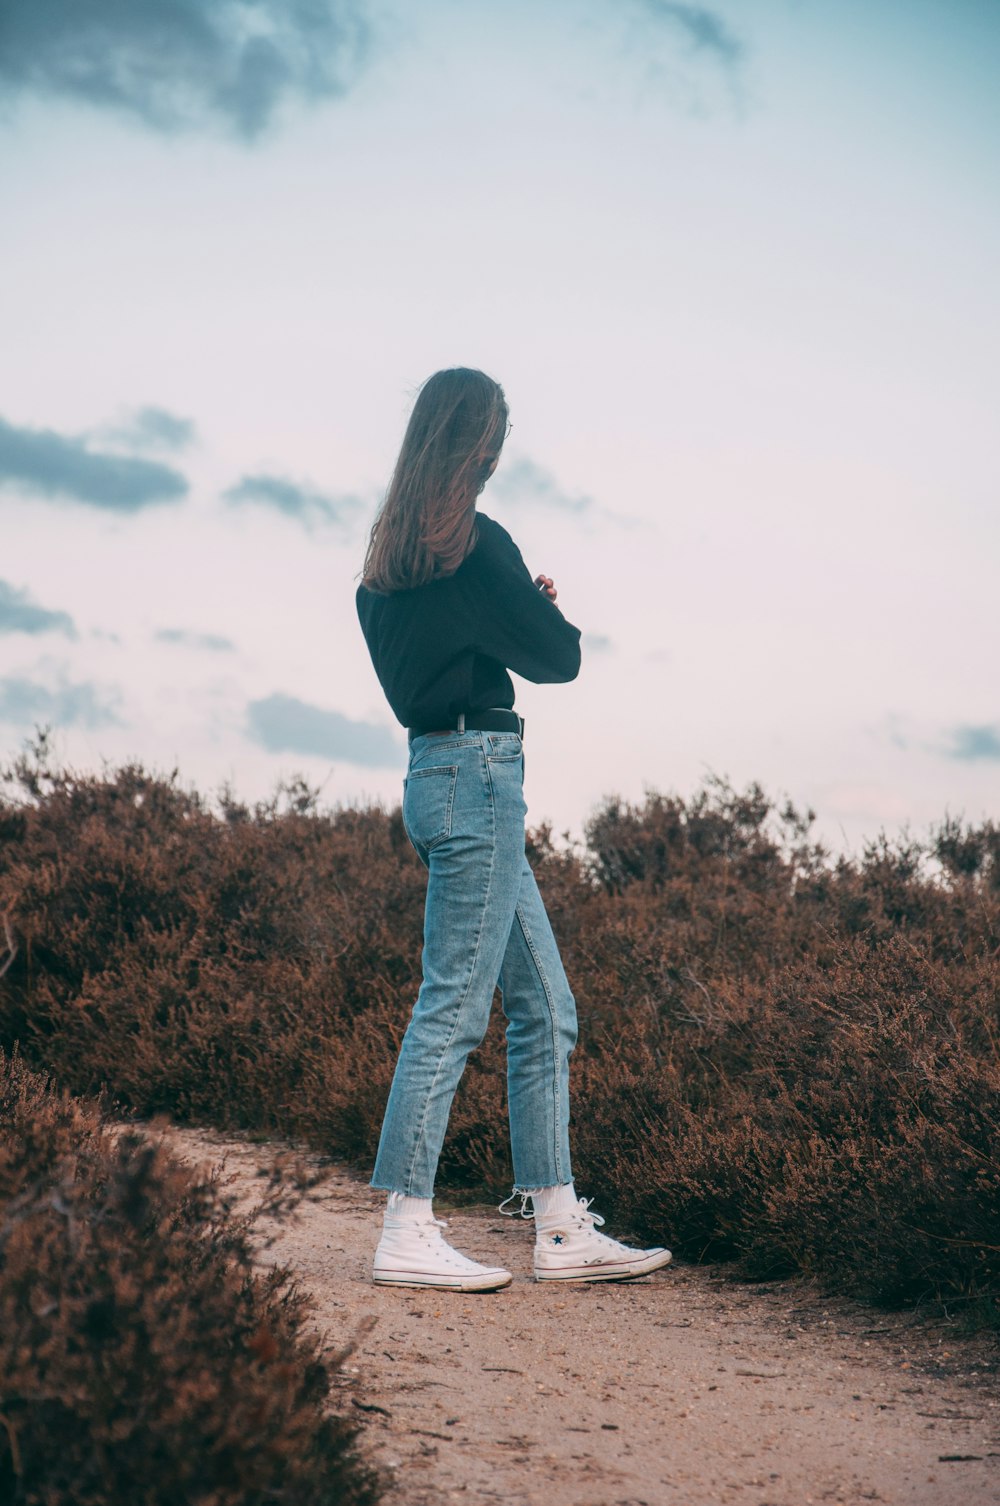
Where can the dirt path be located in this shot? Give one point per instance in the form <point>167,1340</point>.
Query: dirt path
<point>684,1389</point>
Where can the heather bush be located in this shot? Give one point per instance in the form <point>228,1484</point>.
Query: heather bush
<point>786,1060</point>
<point>142,1359</point>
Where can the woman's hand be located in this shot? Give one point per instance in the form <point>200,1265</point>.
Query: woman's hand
<point>544,584</point>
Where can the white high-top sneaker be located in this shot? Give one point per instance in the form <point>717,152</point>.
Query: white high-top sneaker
<point>413,1252</point>
<point>569,1248</point>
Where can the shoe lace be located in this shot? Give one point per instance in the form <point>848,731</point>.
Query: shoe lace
<point>430,1229</point>
<point>584,1215</point>
<point>584,1218</point>
<point>512,1212</point>
<point>581,1214</point>
<point>433,1227</point>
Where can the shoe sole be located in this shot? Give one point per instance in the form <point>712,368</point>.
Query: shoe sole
<point>453,1284</point>
<point>619,1272</point>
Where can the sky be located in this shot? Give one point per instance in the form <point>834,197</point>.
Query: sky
<point>735,267</point>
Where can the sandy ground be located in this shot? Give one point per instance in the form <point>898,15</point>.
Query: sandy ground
<point>685,1388</point>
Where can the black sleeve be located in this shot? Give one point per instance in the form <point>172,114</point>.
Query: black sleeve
<point>516,622</point>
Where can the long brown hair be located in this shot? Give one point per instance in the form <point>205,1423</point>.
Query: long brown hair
<point>425,527</point>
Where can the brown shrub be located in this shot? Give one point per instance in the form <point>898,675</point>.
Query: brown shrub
<point>783,1059</point>
<point>142,1359</point>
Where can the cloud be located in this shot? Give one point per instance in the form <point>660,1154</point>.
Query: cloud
<point>686,55</point>
<point>62,466</point>
<point>597,643</point>
<point>213,641</point>
<point>283,724</point>
<point>19,614</point>
<point>308,507</point>
<point>176,65</point>
<point>965,741</point>
<point>703,29</point>
<point>972,742</point>
<point>521,480</point>
<point>155,429</point>
<point>24,701</point>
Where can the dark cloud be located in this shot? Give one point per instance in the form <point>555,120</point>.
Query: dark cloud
<point>597,643</point>
<point>62,466</point>
<point>521,480</point>
<point>177,65</point>
<point>687,56</point>
<point>19,614</point>
<point>283,724</point>
<point>24,701</point>
<point>294,501</point>
<point>154,428</point>
<point>971,742</point>
<point>702,29</point>
<point>213,641</point>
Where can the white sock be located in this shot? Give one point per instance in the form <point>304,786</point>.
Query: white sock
<point>559,1199</point>
<point>398,1205</point>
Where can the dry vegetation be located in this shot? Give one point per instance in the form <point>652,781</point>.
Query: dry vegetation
<point>143,1360</point>
<point>784,1060</point>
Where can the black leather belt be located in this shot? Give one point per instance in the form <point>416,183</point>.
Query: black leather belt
<point>493,719</point>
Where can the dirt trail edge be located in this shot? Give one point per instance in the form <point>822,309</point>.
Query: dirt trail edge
<point>683,1389</point>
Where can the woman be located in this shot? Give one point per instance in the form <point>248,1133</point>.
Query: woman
<point>447,606</point>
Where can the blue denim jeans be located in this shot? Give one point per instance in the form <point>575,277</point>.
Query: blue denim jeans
<point>484,924</point>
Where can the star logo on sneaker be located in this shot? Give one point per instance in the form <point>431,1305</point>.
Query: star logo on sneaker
<point>557,1239</point>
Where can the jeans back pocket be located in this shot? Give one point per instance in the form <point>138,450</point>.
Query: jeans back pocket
<point>504,746</point>
<point>429,804</point>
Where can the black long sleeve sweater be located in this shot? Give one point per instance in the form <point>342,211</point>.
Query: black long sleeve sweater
<point>446,646</point>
